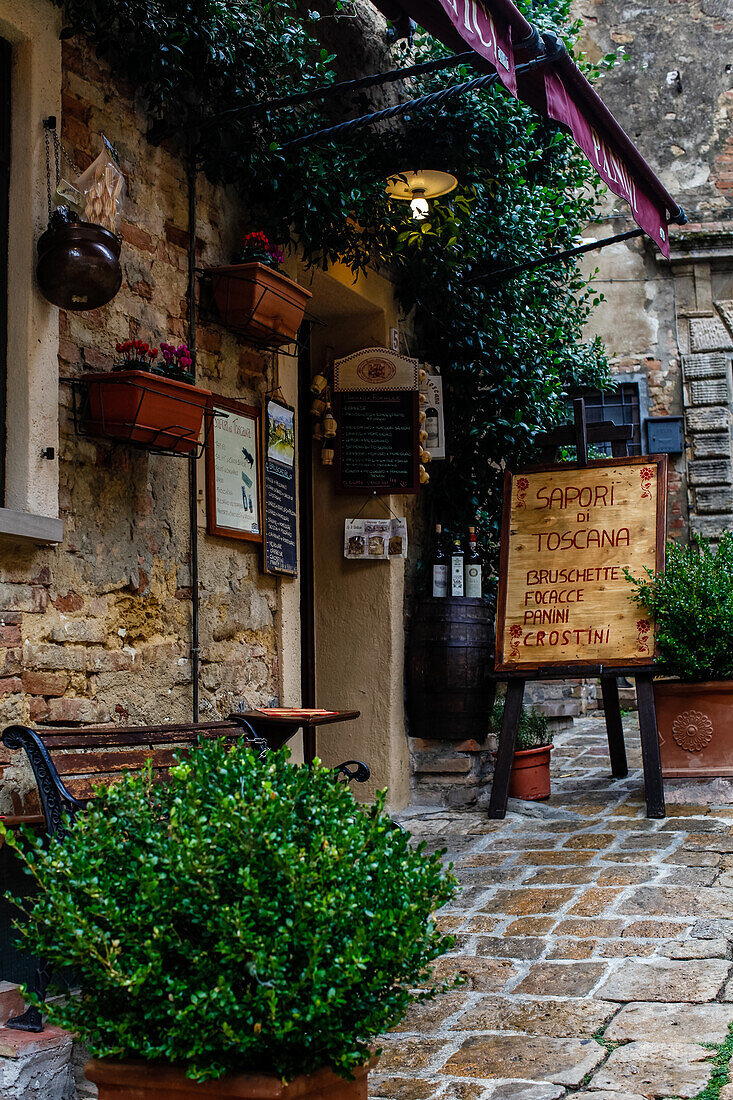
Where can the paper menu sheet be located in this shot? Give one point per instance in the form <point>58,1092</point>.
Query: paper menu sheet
<point>375,539</point>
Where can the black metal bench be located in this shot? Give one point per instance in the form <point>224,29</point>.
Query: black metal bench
<point>69,763</point>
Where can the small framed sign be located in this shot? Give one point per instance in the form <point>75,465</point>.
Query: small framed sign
<point>233,471</point>
<point>280,518</point>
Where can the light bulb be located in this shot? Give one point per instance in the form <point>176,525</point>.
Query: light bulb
<point>419,205</point>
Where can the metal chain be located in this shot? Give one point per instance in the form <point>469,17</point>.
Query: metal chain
<point>49,132</point>
<point>48,171</point>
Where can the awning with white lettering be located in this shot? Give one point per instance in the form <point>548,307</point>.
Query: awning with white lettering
<point>500,35</point>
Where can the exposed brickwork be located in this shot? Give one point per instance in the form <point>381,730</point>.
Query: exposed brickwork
<point>99,628</point>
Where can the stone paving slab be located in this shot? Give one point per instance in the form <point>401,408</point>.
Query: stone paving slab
<point>559,1018</point>
<point>670,1023</point>
<point>525,1090</point>
<point>656,1069</point>
<point>581,925</point>
<point>673,980</point>
<point>562,1061</point>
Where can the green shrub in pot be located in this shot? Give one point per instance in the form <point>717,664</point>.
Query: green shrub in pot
<point>530,776</point>
<point>532,732</point>
<point>245,916</point>
<point>691,603</point>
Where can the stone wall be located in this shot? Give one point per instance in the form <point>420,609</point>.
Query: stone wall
<point>673,96</point>
<point>98,628</point>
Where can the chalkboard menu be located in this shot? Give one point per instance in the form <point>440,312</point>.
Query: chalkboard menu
<point>377,442</point>
<point>280,514</point>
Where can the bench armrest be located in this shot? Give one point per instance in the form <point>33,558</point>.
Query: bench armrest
<point>55,799</point>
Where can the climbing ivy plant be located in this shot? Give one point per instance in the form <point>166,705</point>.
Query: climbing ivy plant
<point>508,350</point>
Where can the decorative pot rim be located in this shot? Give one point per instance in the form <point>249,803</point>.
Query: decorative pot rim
<point>134,374</point>
<point>675,681</point>
<point>168,1077</point>
<point>536,749</point>
<point>226,269</point>
<point>81,228</point>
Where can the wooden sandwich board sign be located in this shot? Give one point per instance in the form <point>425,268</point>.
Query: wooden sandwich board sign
<point>564,607</point>
<point>568,534</point>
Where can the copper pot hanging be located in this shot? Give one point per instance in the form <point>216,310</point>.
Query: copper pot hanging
<point>78,263</point>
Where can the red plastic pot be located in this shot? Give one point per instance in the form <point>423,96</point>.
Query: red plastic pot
<point>258,301</point>
<point>147,1081</point>
<point>159,412</point>
<point>530,778</point>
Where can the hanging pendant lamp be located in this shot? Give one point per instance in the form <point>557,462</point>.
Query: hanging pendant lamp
<point>418,188</point>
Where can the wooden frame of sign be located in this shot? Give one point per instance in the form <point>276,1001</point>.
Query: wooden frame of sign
<point>234,483</point>
<point>349,406</point>
<point>563,599</point>
<point>564,606</point>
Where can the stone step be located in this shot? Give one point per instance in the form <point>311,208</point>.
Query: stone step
<point>714,499</point>
<point>711,445</point>
<point>711,527</point>
<point>709,334</point>
<point>712,418</point>
<point>11,1001</point>
<point>711,391</point>
<point>710,472</point>
<point>704,366</point>
<point>37,1066</point>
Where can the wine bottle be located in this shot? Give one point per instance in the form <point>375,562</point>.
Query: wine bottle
<point>456,569</point>
<point>440,565</point>
<point>473,567</point>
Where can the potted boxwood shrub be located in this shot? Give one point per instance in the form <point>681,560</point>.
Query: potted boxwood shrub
<point>255,299</point>
<point>148,400</point>
<point>691,605</point>
<point>530,777</point>
<point>246,924</point>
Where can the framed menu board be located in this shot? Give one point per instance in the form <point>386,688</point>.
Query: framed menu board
<point>568,534</point>
<point>233,472</point>
<point>280,528</point>
<point>377,447</point>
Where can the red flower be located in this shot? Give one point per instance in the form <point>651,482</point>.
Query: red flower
<point>153,352</point>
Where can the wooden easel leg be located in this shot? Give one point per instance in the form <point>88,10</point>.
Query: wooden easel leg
<point>505,755</point>
<point>614,727</point>
<point>650,754</point>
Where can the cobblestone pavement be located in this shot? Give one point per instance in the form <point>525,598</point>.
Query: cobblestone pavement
<point>595,944</point>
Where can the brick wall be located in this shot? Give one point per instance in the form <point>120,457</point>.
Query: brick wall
<point>98,629</point>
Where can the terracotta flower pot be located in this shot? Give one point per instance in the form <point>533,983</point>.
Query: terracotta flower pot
<point>530,778</point>
<point>695,724</point>
<point>147,1081</point>
<point>134,405</point>
<point>259,302</point>
<point>78,265</point>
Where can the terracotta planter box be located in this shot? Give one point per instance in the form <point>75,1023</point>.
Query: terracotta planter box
<point>259,302</point>
<point>134,405</point>
<point>147,1081</point>
<point>530,778</point>
<point>695,724</point>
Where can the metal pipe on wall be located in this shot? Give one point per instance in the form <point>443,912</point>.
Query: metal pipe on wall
<point>191,172</point>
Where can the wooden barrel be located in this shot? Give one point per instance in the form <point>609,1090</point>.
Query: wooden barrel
<point>450,655</point>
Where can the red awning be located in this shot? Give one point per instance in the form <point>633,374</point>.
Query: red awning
<point>501,36</point>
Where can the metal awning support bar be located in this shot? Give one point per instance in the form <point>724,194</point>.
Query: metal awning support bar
<point>434,99</point>
<point>161,129</point>
<point>553,257</point>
